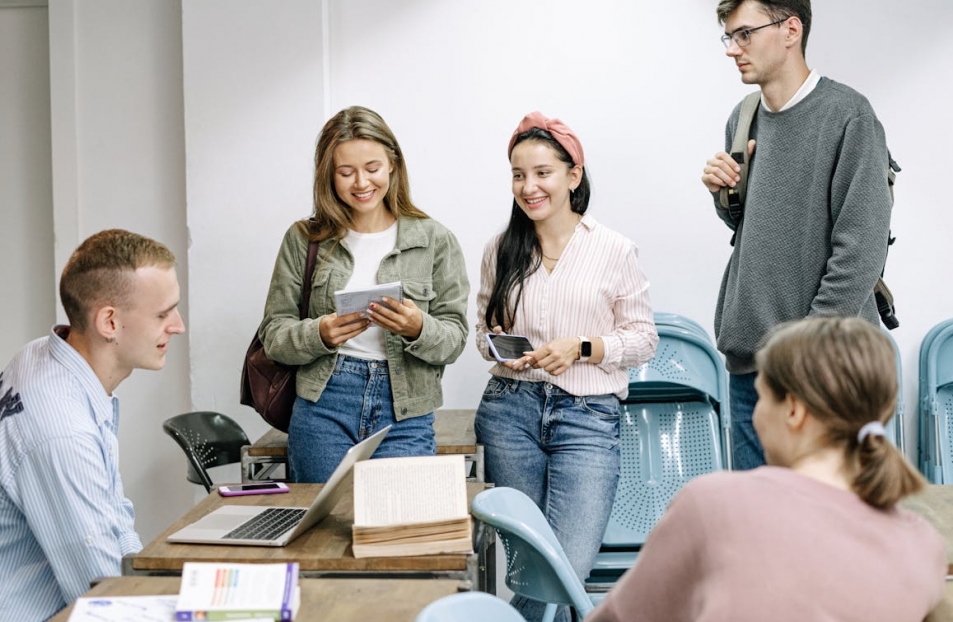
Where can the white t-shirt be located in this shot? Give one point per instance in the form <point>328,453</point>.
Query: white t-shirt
<point>368,250</point>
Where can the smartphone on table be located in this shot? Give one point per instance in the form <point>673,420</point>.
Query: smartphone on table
<point>259,488</point>
<point>508,347</point>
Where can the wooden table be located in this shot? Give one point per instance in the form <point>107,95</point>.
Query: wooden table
<point>936,505</point>
<point>382,600</point>
<point>453,430</point>
<point>322,551</point>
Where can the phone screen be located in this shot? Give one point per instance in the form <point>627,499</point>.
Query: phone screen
<point>508,347</point>
<point>247,487</point>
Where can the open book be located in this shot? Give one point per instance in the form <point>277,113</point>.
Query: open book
<point>411,506</point>
<point>222,591</point>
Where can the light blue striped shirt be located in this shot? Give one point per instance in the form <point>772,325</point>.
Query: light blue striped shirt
<point>64,519</point>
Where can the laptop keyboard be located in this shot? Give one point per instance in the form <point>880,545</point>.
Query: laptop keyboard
<point>269,525</point>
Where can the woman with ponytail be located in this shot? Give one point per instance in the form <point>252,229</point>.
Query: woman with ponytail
<point>816,534</point>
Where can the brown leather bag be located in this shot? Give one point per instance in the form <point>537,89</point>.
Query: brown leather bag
<point>268,386</point>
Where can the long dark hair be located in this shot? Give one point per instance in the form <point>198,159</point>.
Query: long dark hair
<point>519,253</point>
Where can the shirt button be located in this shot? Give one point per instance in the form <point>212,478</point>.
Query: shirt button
<point>403,411</point>
<point>413,347</point>
<point>89,539</point>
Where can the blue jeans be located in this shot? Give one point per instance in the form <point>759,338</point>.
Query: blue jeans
<point>746,450</point>
<point>356,403</point>
<point>563,452</point>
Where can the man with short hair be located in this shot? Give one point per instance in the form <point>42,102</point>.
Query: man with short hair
<point>64,519</point>
<point>813,236</point>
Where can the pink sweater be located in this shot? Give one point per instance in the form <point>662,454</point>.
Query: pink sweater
<point>772,544</point>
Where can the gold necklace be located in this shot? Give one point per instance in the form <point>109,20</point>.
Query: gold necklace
<point>549,258</point>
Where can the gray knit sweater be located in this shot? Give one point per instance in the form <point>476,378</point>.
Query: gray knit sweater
<point>817,214</point>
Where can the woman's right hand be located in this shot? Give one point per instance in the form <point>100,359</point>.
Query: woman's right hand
<point>335,330</point>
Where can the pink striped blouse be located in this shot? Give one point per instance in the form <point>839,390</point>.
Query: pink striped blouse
<point>597,289</point>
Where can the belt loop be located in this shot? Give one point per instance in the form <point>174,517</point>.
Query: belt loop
<point>338,362</point>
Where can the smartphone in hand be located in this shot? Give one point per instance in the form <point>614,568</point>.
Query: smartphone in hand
<point>508,347</point>
<point>261,488</point>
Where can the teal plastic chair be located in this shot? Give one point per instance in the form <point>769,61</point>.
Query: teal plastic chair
<point>536,566</point>
<point>680,321</point>
<point>469,607</point>
<point>936,404</point>
<point>674,426</point>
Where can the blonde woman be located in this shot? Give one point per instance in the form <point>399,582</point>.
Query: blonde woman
<point>359,374</point>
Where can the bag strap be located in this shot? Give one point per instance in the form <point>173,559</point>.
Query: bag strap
<point>308,277</point>
<point>733,199</point>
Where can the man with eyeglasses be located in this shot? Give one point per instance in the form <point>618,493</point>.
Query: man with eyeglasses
<point>811,239</point>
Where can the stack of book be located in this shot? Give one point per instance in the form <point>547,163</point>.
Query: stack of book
<point>411,506</point>
<point>219,591</point>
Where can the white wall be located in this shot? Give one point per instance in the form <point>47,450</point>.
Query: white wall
<point>27,293</point>
<point>646,86</point>
<point>254,93</point>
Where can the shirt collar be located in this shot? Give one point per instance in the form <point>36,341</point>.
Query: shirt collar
<point>812,79</point>
<point>104,406</point>
<point>588,221</point>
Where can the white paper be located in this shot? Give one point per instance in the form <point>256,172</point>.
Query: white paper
<point>124,609</point>
<point>351,301</point>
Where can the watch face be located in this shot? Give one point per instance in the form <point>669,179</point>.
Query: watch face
<point>585,348</point>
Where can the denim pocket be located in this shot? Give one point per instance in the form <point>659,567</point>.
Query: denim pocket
<point>602,406</point>
<point>495,388</point>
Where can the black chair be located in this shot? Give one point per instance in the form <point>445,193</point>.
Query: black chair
<point>209,439</point>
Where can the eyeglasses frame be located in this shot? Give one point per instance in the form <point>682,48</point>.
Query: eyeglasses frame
<point>729,37</point>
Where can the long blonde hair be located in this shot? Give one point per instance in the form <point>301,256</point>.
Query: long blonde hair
<point>332,217</point>
<point>844,371</point>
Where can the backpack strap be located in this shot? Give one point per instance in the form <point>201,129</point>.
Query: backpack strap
<point>308,278</point>
<point>733,199</point>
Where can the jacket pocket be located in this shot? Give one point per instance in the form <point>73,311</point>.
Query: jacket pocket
<point>421,292</point>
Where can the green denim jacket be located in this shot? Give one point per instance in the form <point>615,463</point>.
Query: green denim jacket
<point>429,263</point>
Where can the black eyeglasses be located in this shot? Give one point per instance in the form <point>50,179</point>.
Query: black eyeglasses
<point>743,36</point>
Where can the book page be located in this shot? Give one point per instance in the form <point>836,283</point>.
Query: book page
<point>394,491</point>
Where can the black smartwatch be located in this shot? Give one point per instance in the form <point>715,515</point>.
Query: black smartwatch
<point>585,349</point>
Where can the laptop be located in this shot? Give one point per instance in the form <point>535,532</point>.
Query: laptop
<point>277,526</point>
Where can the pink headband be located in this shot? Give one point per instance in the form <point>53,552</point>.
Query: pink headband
<point>560,131</point>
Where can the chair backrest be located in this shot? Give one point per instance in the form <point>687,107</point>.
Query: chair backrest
<point>686,366</point>
<point>536,566</point>
<point>209,439</point>
<point>663,446</point>
<point>469,607</point>
<point>680,321</point>
<point>936,404</point>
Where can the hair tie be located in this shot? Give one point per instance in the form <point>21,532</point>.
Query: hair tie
<point>874,428</point>
<point>560,131</point>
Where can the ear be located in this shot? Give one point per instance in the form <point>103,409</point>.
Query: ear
<point>106,322</point>
<point>794,32</point>
<point>797,413</point>
<point>575,177</point>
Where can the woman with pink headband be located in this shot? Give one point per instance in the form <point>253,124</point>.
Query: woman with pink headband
<point>549,419</point>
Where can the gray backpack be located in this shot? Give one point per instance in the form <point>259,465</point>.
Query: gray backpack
<point>733,199</point>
